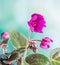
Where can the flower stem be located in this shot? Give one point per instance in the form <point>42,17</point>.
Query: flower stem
<point>27,44</point>
<point>36,40</point>
<point>3,51</point>
<point>4,48</point>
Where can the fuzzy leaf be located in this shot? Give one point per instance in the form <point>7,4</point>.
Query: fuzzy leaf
<point>19,50</point>
<point>37,59</point>
<point>55,57</point>
<point>18,40</point>
<point>14,56</point>
<point>11,57</point>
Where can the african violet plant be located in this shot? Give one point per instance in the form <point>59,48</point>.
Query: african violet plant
<point>21,44</point>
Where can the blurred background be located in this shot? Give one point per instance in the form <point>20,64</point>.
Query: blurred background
<point>14,14</point>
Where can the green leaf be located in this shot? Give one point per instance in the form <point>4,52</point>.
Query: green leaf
<point>55,57</point>
<point>14,56</point>
<point>18,40</point>
<point>37,59</point>
<point>20,50</point>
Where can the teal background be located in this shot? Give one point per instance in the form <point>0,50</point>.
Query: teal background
<point>14,14</point>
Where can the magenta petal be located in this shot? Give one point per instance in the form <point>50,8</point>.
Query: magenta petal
<point>34,17</point>
<point>32,29</point>
<point>46,40</point>
<point>44,46</point>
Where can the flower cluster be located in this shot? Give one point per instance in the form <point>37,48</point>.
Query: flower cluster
<point>36,24</point>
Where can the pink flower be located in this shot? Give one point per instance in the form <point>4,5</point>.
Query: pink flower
<point>37,23</point>
<point>5,35</point>
<point>45,43</point>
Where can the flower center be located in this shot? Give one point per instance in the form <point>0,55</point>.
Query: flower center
<point>34,24</point>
